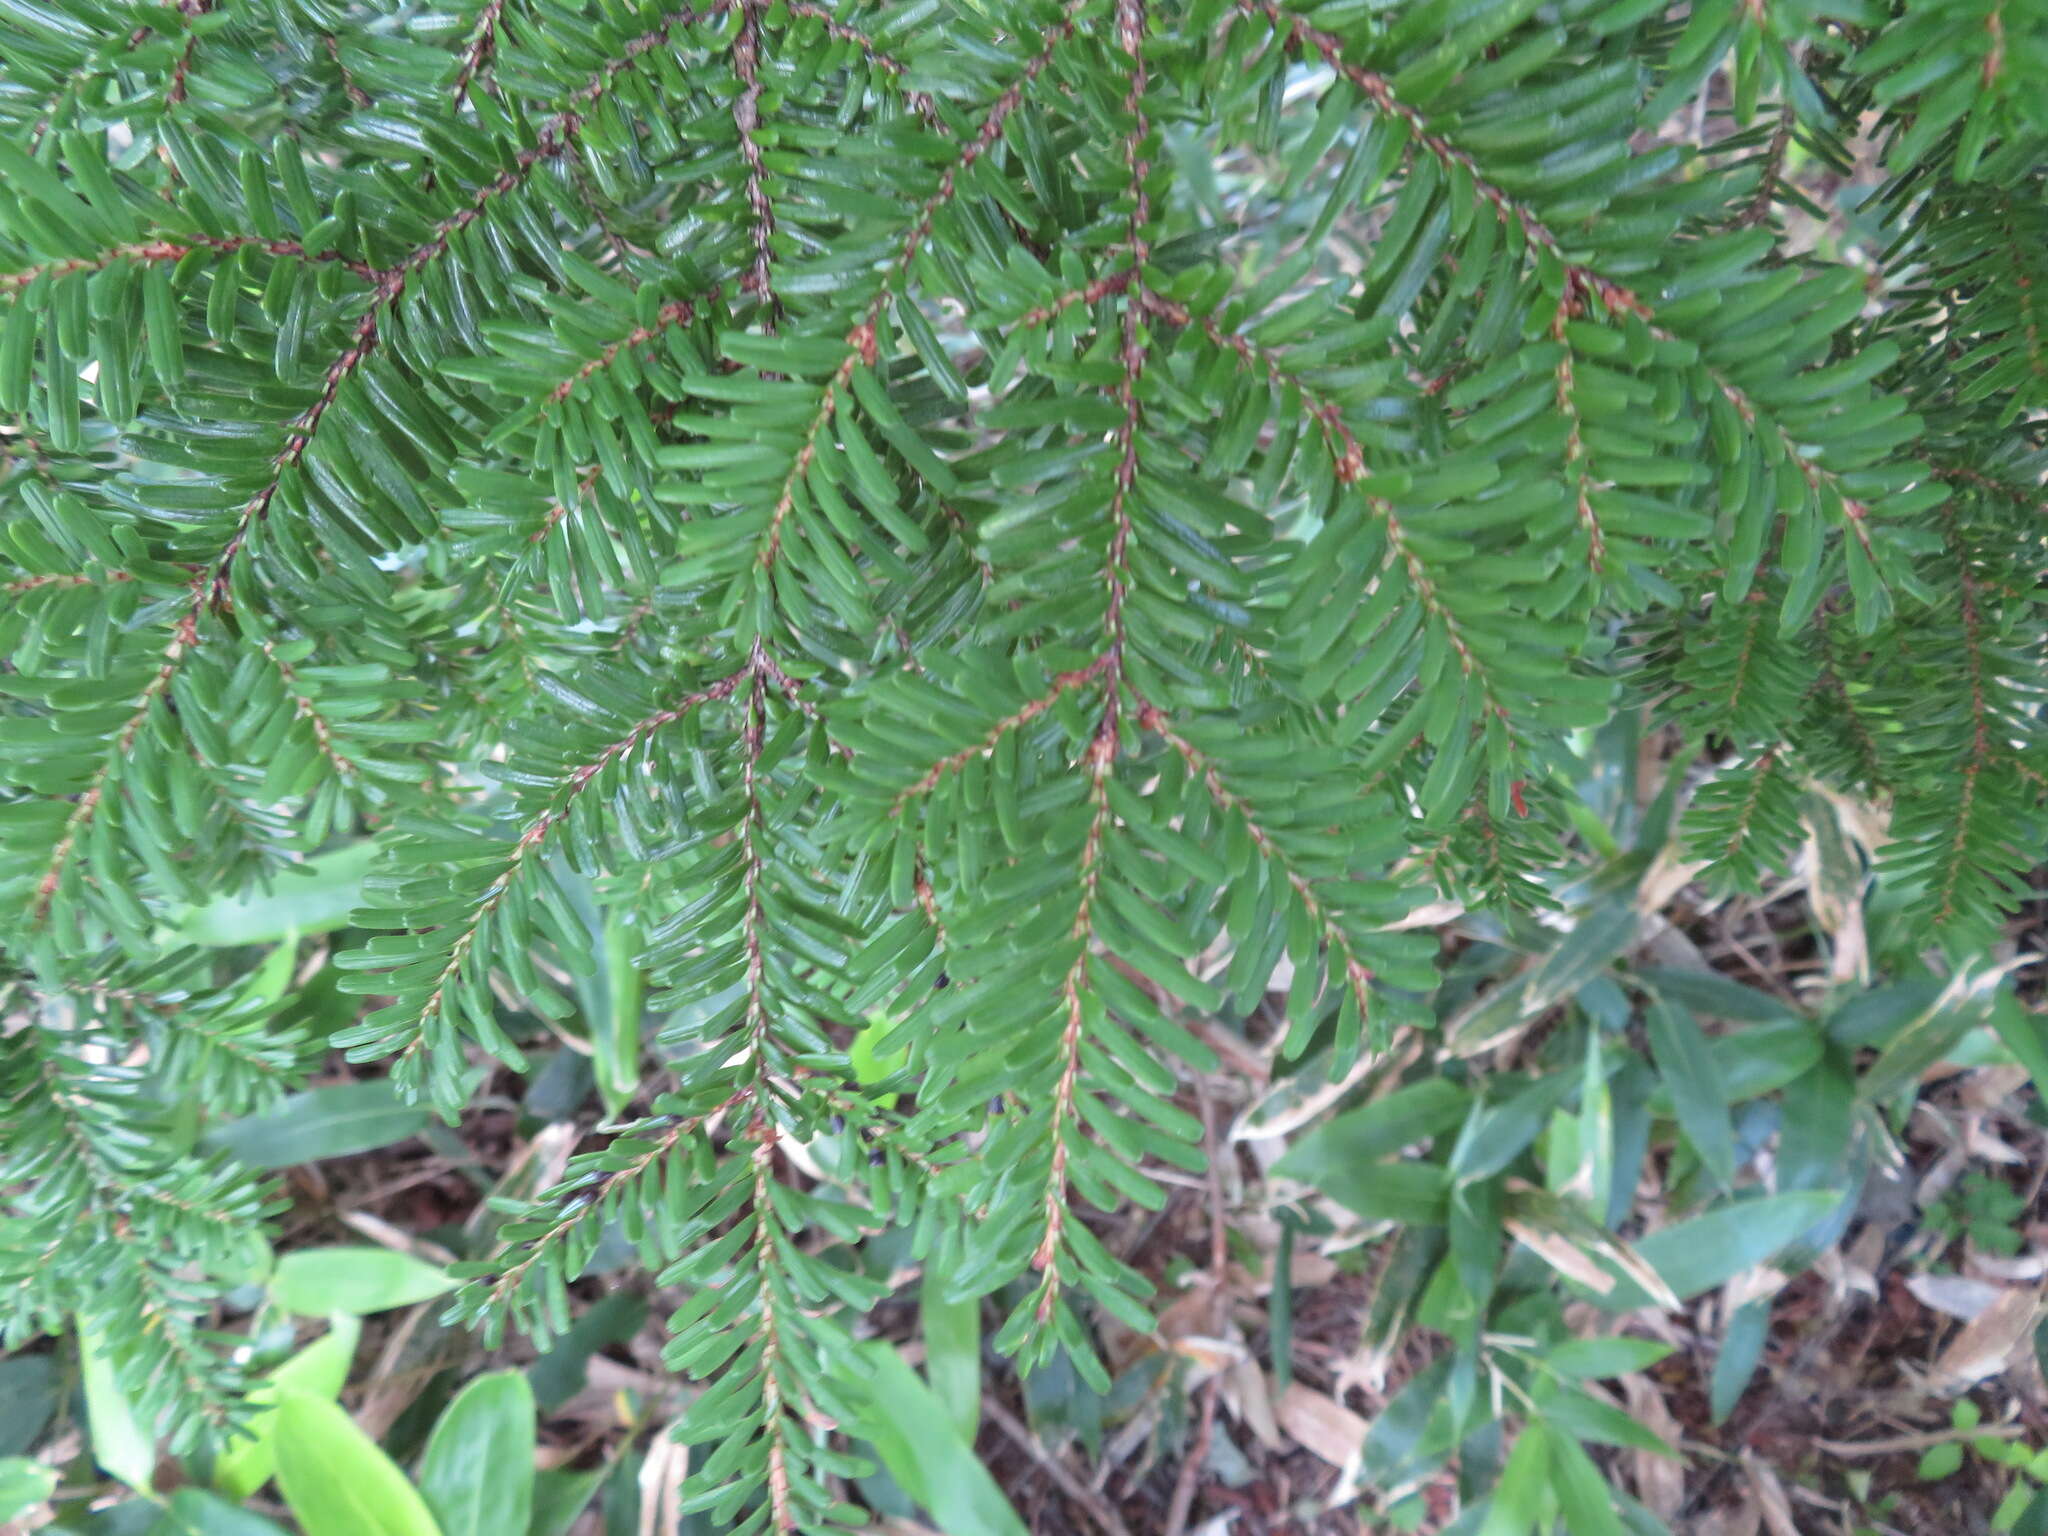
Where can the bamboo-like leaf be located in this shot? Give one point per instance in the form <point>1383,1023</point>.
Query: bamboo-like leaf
<point>336,1480</point>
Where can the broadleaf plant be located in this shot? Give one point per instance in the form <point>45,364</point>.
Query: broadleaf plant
<point>996,529</point>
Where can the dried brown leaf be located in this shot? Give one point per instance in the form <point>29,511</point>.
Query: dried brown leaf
<point>1319,1423</point>
<point>1990,1343</point>
<point>661,1484</point>
<point>1954,1295</point>
<point>1771,1502</point>
<point>1660,1481</point>
<point>1248,1397</point>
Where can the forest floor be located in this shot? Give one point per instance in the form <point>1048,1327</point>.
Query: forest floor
<point>1887,1367</point>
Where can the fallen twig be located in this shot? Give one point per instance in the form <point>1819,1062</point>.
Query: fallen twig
<point>1092,1504</point>
<point>1921,1442</point>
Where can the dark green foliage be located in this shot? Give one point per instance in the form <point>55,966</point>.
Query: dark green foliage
<point>1032,520</point>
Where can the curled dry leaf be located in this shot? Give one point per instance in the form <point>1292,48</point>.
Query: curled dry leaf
<point>1954,1295</point>
<point>1319,1423</point>
<point>661,1483</point>
<point>1769,1492</point>
<point>1248,1396</point>
<point>2020,1267</point>
<point>1660,1481</point>
<point>1990,1343</point>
